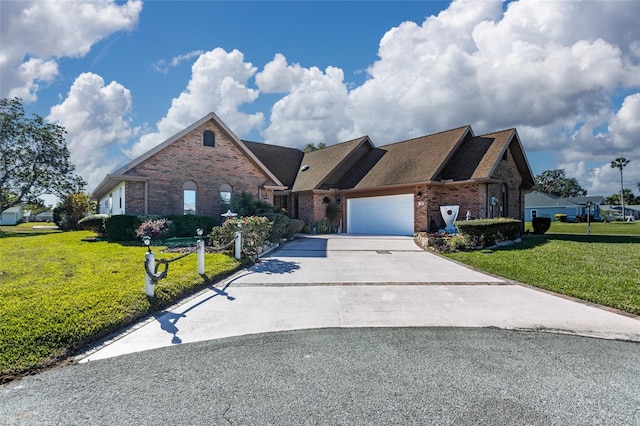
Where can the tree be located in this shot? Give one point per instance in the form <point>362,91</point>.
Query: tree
<point>629,198</point>
<point>311,147</point>
<point>34,159</point>
<point>620,163</point>
<point>556,182</point>
<point>72,208</point>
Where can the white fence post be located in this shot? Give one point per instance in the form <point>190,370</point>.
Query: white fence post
<point>149,283</point>
<point>201,256</point>
<point>238,247</point>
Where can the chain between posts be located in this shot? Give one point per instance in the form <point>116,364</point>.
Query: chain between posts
<point>157,277</point>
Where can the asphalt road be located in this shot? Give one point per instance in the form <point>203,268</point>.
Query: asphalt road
<point>361,376</point>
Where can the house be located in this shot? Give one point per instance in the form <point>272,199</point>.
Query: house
<point>11,216</point>
<point>395,189</point>
<point>541,204</point>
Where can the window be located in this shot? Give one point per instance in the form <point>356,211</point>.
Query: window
<point>189,196</point>
<point>208,138</point>
<point>225,196</point>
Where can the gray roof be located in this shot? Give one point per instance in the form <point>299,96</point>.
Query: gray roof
<point>542,199</point>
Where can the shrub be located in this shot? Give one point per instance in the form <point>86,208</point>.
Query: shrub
<point>294,226</point>
<point>486,232</point>
<point>278,226</point>
<point>560,217</point>
<point>541,224</point>
<point>246,205</point>
<point>94,223</point>
<point>185,225</point>
<point>121,227</point>
<point>157,229</point>
<point>70,209</point>
<point>255,232</point>
<point>323,227</point>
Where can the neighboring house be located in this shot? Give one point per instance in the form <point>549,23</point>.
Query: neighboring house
<point>630,211</point>
<point>541,204</point>
<point>395,189</point>
<point>11,216</point>
<point>44,217</point>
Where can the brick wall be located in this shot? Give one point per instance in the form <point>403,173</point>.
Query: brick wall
<point>187,159</point>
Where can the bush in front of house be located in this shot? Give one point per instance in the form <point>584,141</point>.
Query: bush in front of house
<point>122,227</point>
<point>541,224</point>
<point>245,204</point>
<point>282,226</point>
<point>486,232</point>
<point>156,229</point>
<point>255,233</point>
<point>186,225</point>
<point>94,223</point>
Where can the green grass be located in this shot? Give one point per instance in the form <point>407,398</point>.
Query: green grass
<point>600,269</point>
<point>599,228</point>
<point>58,293</point>
<point>27,229</point>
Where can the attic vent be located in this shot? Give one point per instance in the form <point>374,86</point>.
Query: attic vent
<point>304,168</point>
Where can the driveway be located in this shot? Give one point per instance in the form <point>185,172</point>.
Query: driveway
<point>346,281</point>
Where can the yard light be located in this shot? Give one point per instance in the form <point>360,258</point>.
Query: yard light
<point>199,231</point>
<point>588,218</point>
<point>147,242</point>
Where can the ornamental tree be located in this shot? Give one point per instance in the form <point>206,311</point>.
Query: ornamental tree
<point>34,158</point>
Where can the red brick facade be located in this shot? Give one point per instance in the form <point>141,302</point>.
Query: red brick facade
<point>188,160</point>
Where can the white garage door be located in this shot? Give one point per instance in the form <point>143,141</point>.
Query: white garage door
<point>388,215</point>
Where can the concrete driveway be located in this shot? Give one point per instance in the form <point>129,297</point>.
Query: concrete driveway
<point>362,281</point>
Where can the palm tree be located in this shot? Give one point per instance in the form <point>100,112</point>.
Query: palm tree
<point>620,163</point>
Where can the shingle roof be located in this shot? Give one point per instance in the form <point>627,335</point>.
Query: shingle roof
<point>322,162</point>
<point>414,160</point>
<point>283,162</point>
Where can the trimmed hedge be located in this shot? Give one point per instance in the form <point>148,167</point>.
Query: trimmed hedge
<point>282,226</point>
<point>486,232</point>
<point>185,225</point>
<point>541,224</point>
<point>94,223</point>
<point>122,227</point>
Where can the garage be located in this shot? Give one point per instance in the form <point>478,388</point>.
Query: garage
<point>387,215</point>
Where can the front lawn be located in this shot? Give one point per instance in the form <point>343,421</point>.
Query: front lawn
<point>600,269</point>
<point>58,293</point>
<point>597,228</point>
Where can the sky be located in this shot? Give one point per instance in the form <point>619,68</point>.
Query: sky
<point>123,76</point>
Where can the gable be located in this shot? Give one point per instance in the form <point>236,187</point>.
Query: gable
<point>284,162</point>
<point>327,165</point>
<point>411,161</point>
<point>184,149</point>
<point>478,157</point>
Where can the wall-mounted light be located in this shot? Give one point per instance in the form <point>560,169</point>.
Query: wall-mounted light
<point>419,194</point>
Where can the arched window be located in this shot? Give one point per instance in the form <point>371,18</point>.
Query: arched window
<point>189,197</point>
<point>208,138</point>
<point>225,196</point>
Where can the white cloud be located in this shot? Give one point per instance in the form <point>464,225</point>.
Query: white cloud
<point>625,125</point>
<point>164,66</point>
<point>35,33</point>
<point>219,84</point>
<point>313,111</point>
<point>95,117</point>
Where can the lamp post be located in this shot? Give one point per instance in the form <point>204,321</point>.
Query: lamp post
<point>588,218</point>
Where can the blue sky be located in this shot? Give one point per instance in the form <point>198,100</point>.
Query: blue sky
<point>124,76</point>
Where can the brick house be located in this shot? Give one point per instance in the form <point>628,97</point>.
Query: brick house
<point>395,189</point>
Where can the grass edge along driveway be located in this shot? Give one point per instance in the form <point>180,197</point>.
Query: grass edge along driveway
<point>59,293</point>
<point>600,269</point>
